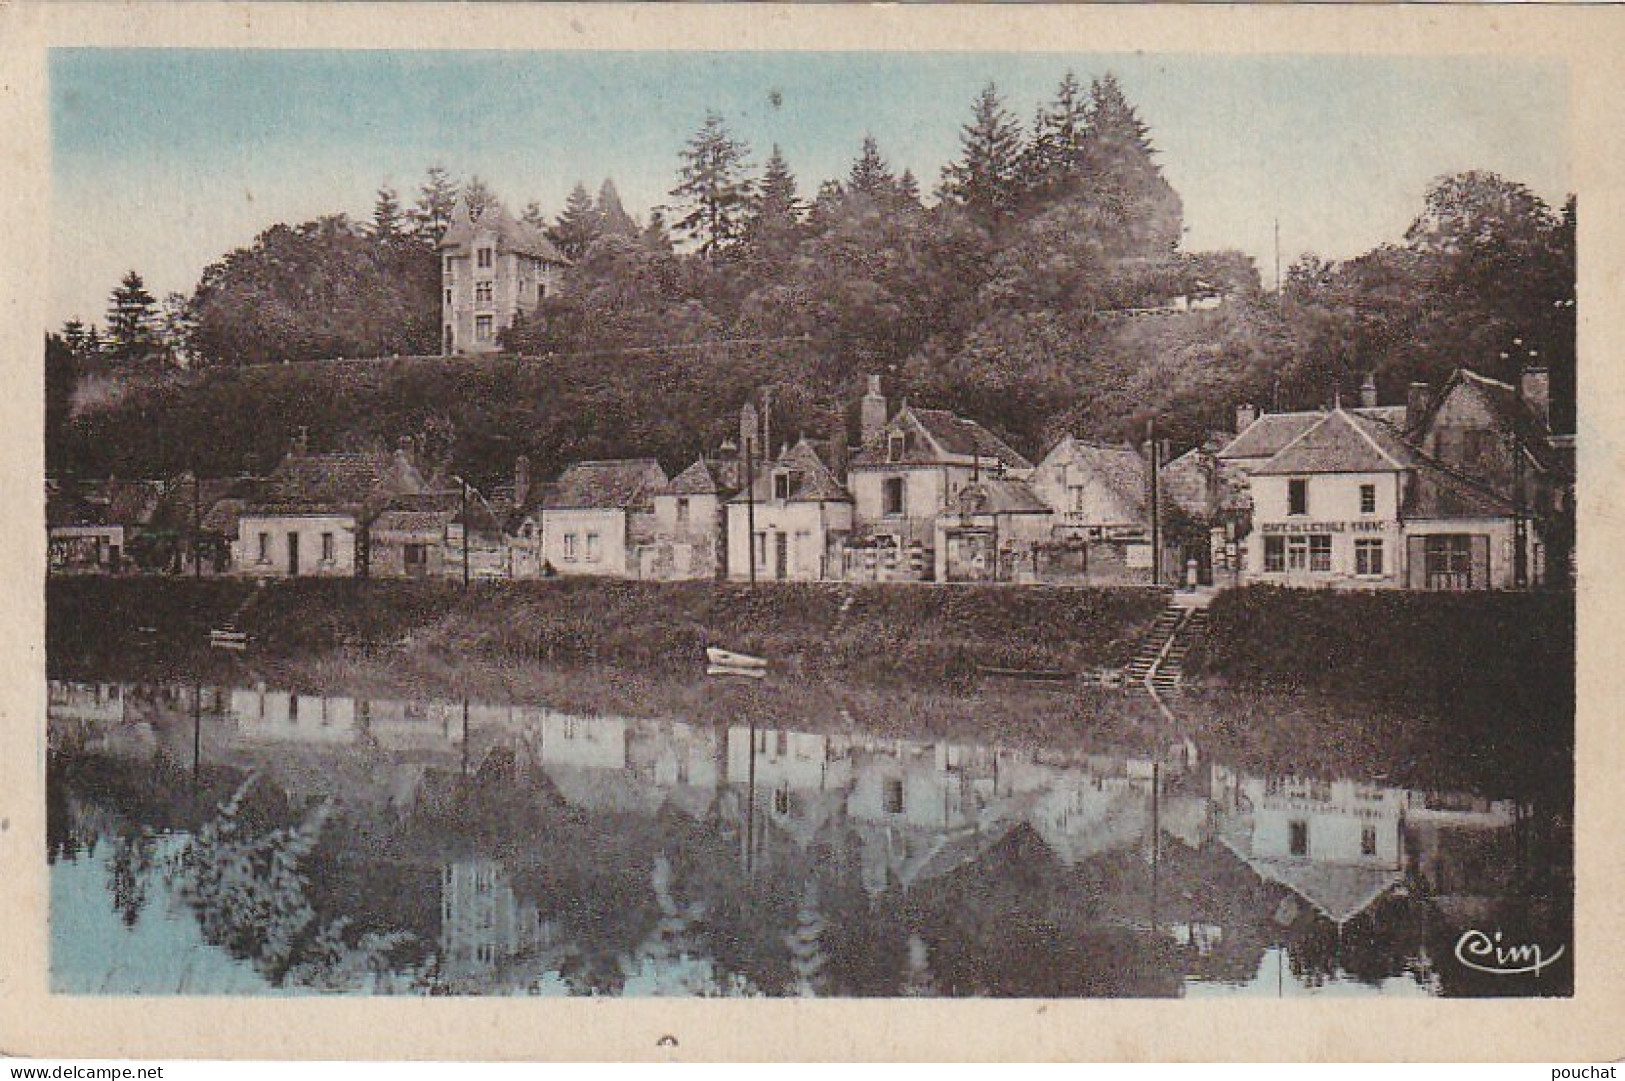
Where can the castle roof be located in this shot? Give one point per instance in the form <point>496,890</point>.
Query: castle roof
<point>512,235</point>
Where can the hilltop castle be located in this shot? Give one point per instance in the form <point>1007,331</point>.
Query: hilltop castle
<point>492,267</point>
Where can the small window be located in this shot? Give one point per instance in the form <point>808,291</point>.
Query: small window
<point>449,264</point>
<point>541,291</point>
<point>1297,496</point>
<point>485,258</point>
<point>896,446</point>
<point>570,546</point>
<point>327,547</point>
<point>484,327</point>
<point>265,547</point>
<point>448,296</point>
<point>293,708</point>
<point>1299,837</point>
<point>892,495</point>
<point>1320,552</point>
<point>781,486</point>
<point>1368,558</point>
<point>1274,554</point>
<point>1368,840</point>
<point>893,796</point>
<point>682,512</point>
<point>592,548</point>
<point>483,292</point>
<point>1368,499</point>
<point>781,801</point>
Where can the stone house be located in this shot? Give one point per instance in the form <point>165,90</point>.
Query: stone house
<point>802,515</point>
<point>1101,499</point>
<point>493,268</point>
<point>690,538</point>
<point>1350,504</point>
<point>910,469</point>
<point>408,537</point>
<point>313,514</point>
<point>1001,532</point>
<point>104,527</point>
<point>598,515</point>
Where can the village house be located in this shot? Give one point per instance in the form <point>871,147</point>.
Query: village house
<point>1349,504</point>
<point>100,528</point>
<point>1101,496</point>
<point>408,537</point>
<point>910,469</point>
<point>1000,532</point>
<point>493,269</point>
<point>690,538</point>
<point>801,515</point>
<point>598,515</point>
<point>313,514</point>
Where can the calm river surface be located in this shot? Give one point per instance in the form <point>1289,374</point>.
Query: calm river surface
<point>249,840</point>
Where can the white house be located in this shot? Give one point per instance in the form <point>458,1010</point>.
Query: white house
<point>598,514</point>
<point>801,513</point>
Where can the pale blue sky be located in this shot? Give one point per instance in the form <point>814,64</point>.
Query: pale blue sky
<point>163,160</point>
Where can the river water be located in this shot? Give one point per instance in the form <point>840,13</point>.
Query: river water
<point>249,840</point>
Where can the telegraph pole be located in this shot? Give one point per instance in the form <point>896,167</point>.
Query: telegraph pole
<point>1156,503</point>
<point>750,508</point>
<point>465,544</point>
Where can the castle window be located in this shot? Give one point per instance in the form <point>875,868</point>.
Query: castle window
<point>485,258</point>
<point>484,327</point>
<point>449,264</point>
<point>541,291</point>
<point>483,292</point>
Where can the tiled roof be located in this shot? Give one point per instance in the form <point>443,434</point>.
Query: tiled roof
<point>1266,436</point>
<point>512,235</point>
<point>1005,495</point>
<point>953,436</point>
<point>814,481</point>
<point>1437,492</point>
<point>617,484</point>
<point>697,479</point>
<point>1342,442</point>
<point>344,482</point>
<point>1122,469</point>
<point>1505,402</point>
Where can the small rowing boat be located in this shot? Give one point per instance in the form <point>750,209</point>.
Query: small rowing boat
<point>723,658</point>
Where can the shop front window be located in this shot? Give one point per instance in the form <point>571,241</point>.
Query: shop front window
<point>1297,553</point>
<point>1368,558</point>
<point>1274,554</point>
<point>1449,561</point>
<point>1320,552</point>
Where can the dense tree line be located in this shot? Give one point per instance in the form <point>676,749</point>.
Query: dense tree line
<point>1018,294</point>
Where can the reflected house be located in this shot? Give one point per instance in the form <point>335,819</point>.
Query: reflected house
<point>801,778</point>
<point>1336,844</point>
<point>682,762</point>
<point>483,923</point>
<point>272,715</point>
<point>94,702</point>
<point>1466,847</point>
<point>412,725</point>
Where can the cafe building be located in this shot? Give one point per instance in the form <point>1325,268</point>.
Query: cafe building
<point>1349,504</point>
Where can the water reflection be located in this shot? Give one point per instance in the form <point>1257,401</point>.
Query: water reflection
<point>335,843</point>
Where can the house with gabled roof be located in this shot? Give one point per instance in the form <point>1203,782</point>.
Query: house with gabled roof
<point>801,514</point>
<point>1349,503</point>
<point>911,467</point>
<point>92,528</point>
<point>597,516</point>
<point>312,515</point>
<point>493,268</point>
<point>690,536</point>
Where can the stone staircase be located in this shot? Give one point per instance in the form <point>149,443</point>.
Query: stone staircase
<point>1159,660</point>
<point>229,634</point>
<point>1151,646</point>
<point>1169,672</point>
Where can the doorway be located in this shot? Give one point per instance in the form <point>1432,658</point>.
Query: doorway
<point>781,555</point>
<point>293,555</point>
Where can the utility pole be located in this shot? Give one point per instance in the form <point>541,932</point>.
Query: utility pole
<point>465,541</point>
<point>1156,503</point>
<point>1277,255</point>
<point>197,523</point>
<point>750,507</point>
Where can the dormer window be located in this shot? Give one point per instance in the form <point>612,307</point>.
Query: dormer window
<point>485,258</point>
<point>896,446</point>
<point>449,264</point>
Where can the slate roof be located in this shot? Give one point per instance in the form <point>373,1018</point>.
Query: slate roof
<point>1506,404</point>
<point>512,235</point>
<point>616,484</point>
<point>1271,432</point>
<point>953,437</point>
<point>1342,442</point>
<point>718,477</point>
<point>305,483</point>
<point>1437,492</point>
<point>816,484</point>
<point>421,513</point>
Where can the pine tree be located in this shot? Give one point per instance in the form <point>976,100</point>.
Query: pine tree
<point>436,197</point>
<point>131,314</point>
<point>985,178</point>
<point>533,216</point>
<point>613,220</point>
<point>1115,129</point>
<point>480,197</point>
<point>775,217</point>
<point>656,237</point>
<point>577,225</point>
<point>909,188</point>
<point>387,217</point>
<point>74,336</point>
<point>870,175</point>
<point>1057,153</point>
<point>713,187</point>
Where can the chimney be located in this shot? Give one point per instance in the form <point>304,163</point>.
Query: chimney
<point>872,413</point>
<point>837,448</point>
<point>405,452</point>
<point>1416,403</point>
<point>521,480</point>
<point>1368,391</point>
<point>301,441</point>
<point>750,431</point>
<point>1245,415</point>
<point>1536,390</point>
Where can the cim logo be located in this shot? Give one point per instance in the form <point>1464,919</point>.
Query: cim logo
<point>1485,953</point>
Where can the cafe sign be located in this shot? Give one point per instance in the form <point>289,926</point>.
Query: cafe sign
<point>1366,526</point>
